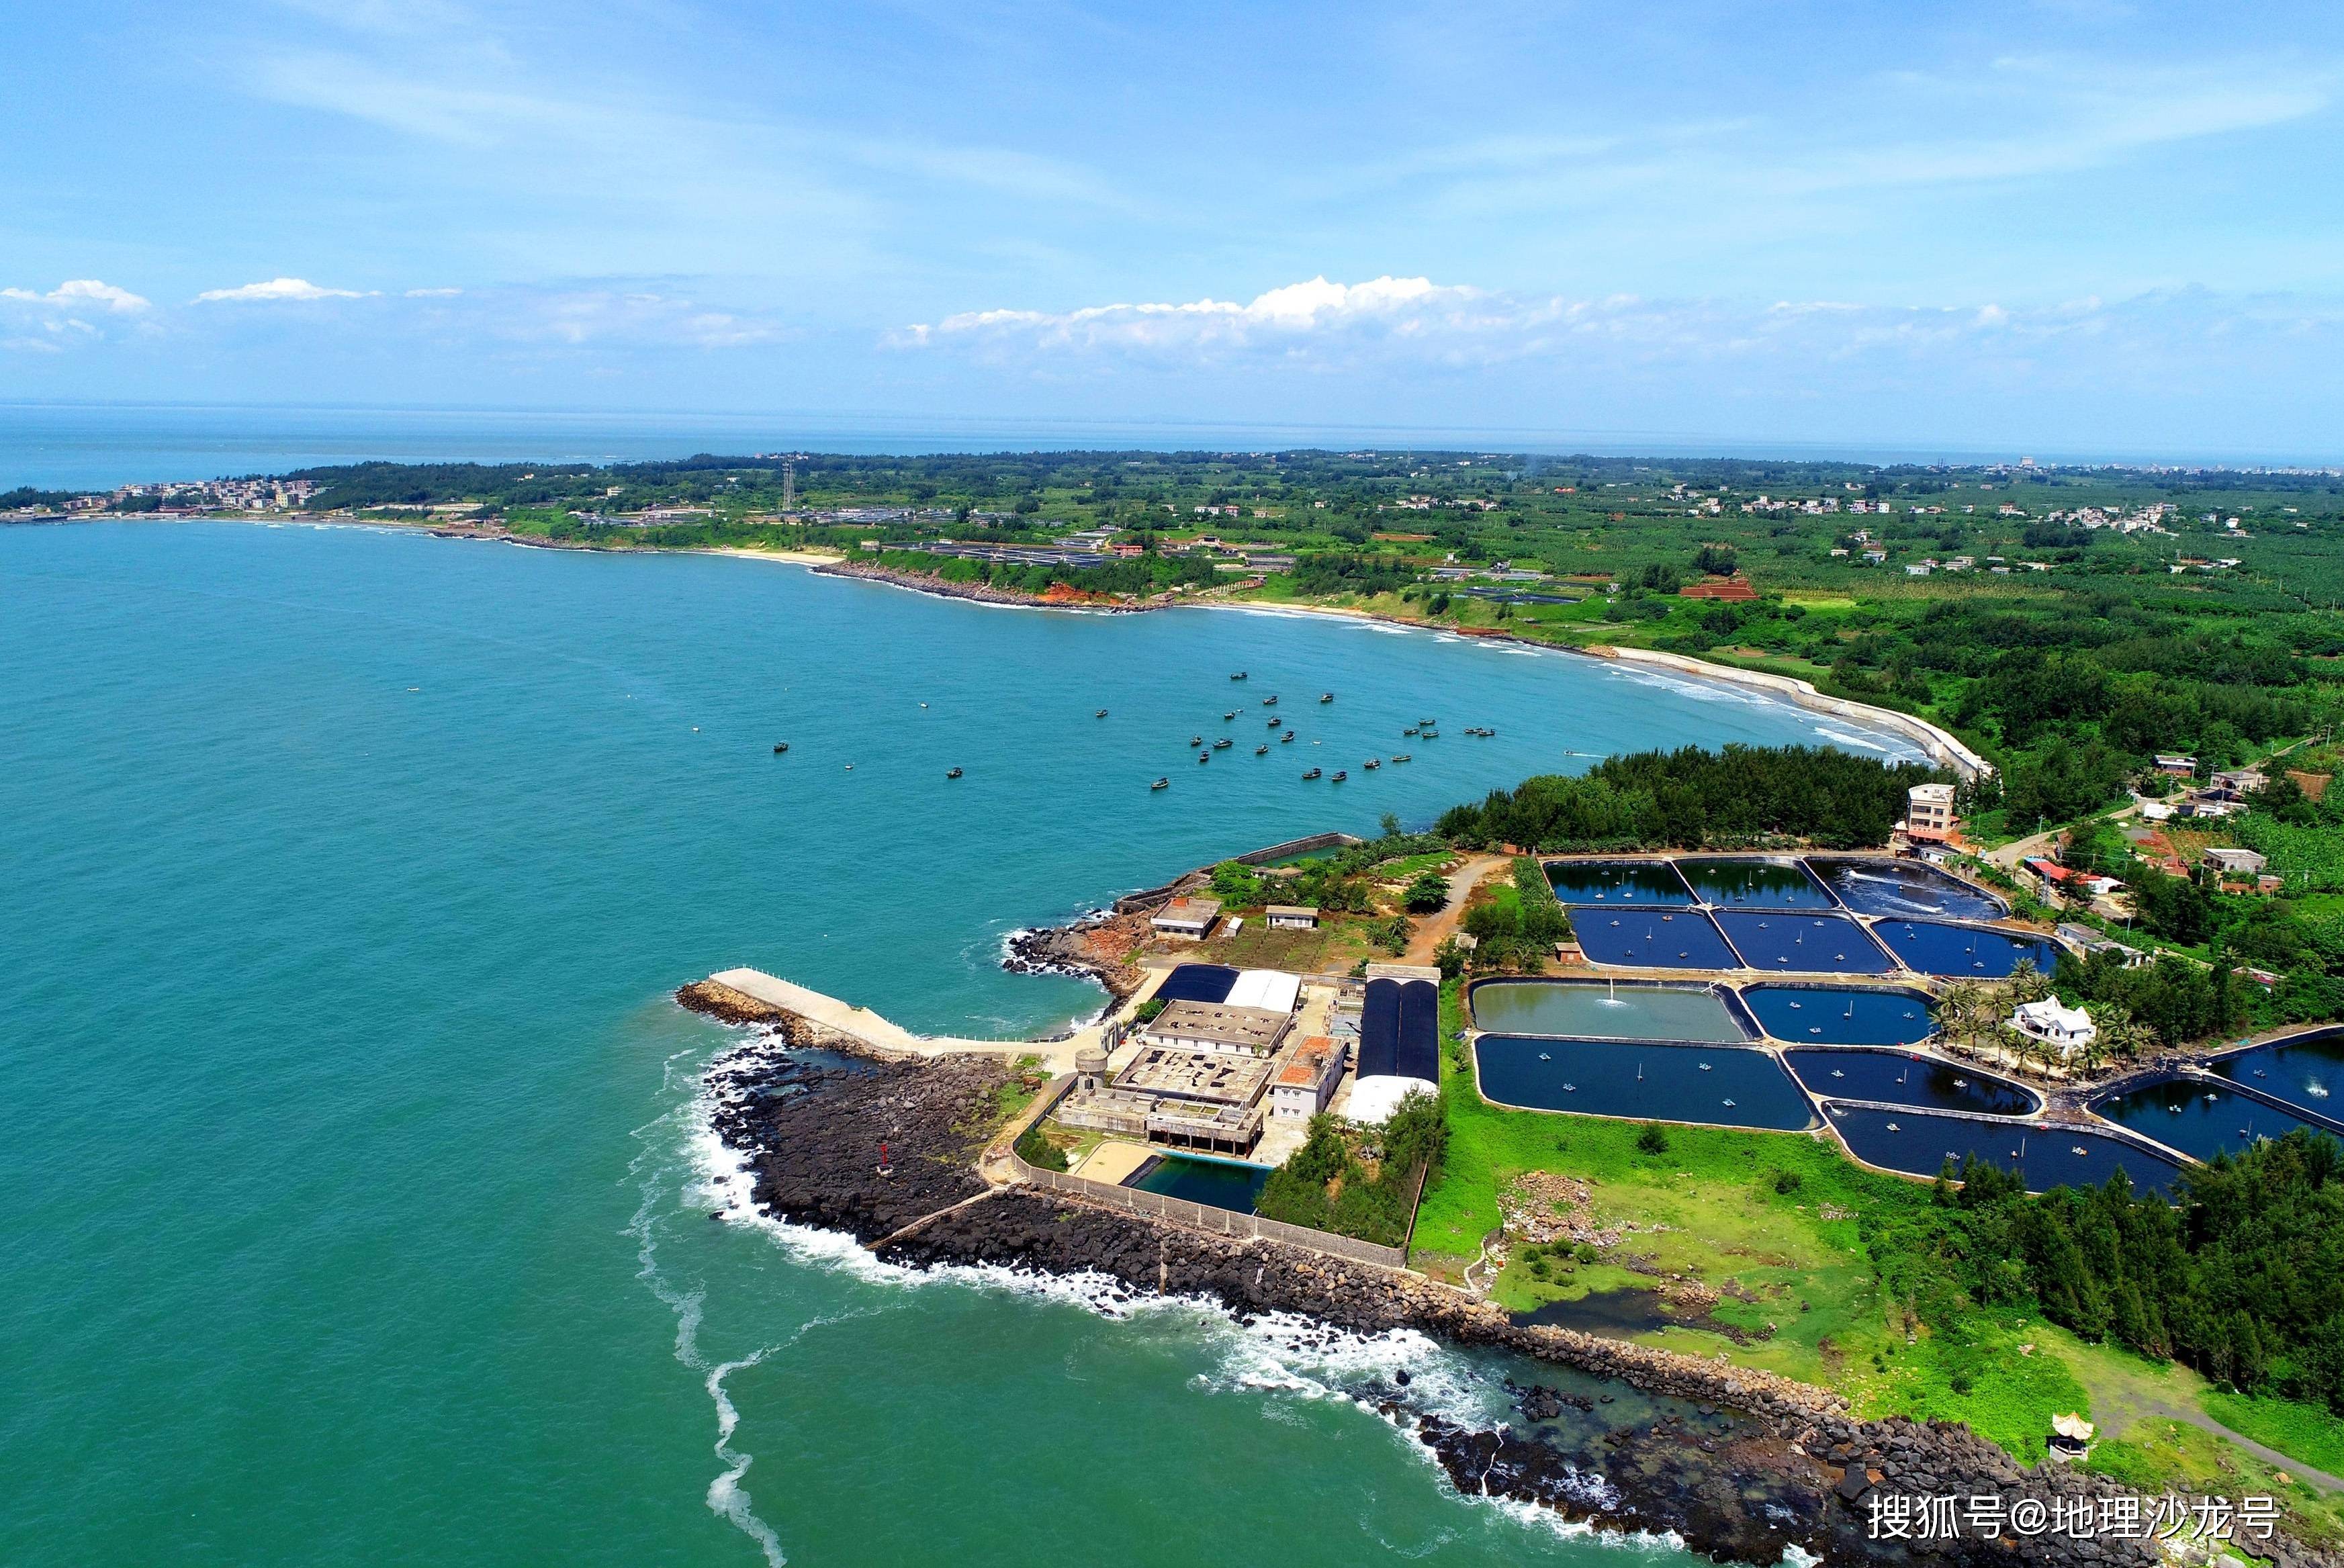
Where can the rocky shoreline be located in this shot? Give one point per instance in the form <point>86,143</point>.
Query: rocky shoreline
<point>1098,946</point>
<point>1757,1464</point>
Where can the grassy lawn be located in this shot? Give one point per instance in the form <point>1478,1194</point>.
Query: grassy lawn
<point>1796,1280</point>
<point>1337,943</point>
<point>2172,1456</point>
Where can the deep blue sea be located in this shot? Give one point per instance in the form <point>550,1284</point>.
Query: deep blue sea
<point>352,1145</point>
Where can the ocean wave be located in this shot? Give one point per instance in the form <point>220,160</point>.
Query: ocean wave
<point>1828,733</point>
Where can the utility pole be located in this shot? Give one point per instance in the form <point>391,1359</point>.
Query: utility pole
<point>788,484</point>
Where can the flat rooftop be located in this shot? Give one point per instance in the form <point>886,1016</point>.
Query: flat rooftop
<point>1240,1029</point>
<point>1215,1077</point>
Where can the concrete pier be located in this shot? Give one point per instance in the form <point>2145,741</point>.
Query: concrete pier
<point>885,1036</point>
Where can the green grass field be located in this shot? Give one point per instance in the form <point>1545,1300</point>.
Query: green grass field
<point>1797,1281</point>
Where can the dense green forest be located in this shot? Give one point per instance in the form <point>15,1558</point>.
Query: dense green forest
<point>1692,799</point>
<point>2236,1278</point>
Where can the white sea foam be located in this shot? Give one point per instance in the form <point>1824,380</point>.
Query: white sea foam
<point>1828,733</point>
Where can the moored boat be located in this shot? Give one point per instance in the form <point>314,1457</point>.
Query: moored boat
<point>1371,763</point>
<point>1237,674</point>
<point>780,746</point>
<point>1100,714</point>
<point>1223,744</point>
<point>1326,696</point>
<point>1340,777</point>
<point>1399,756</point>
<point>951,773</point>
<point>1161,784</point>
<point>1196,740</point>
<point>1311,775</point>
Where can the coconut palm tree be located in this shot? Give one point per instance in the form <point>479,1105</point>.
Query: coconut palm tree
<point>2122,1034</point>
<point>2027,983</point>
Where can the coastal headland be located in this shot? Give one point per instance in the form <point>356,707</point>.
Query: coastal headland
<point>1742,1465</point>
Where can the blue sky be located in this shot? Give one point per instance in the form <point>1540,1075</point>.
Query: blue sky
<point>2085,227</point>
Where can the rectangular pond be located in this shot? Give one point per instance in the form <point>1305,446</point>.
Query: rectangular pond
<point>1650,882</point>
<point>2197,1117</point>
<point>1909,1078</point>
<point>1795,942</point>
<point>1962,952</point>
<point>1742,883</point>
<point>1216,1183</point>
<point>1909,888</point>
<point>2304,1072</point>
<point>1918,1142</point>
<point>1841,1015</point>
<point>1716,1086</point>
<point>1635,1010</point>
<point>1652,938</point>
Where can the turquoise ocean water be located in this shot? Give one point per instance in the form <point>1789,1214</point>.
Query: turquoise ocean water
<point>349,1138</point>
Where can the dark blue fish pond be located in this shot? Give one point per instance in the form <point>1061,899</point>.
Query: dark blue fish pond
<point>1903,1077</point>
<point>2304,1071</point>
<point>1739,883</point>
<point>1962,952</point>
<point>1919,1143</point>
<point>1652,938</point>
<point>1906,888</point>
<point>1794,942</point>
<point>2197,1117</point>
<point>1717,1086</point>
<point>1841,1015</point>
<point>1216,1183</point>
<point>1649,881</point>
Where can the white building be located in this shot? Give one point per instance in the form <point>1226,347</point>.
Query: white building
<point>2227,862</point>
<point>1292,917</point>
<point>2064,1028</point>
<point>1189,917</point>
<point>1929,812</point>
<point>1306,1082</point>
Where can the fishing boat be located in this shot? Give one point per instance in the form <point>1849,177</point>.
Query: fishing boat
<point>1371,763</point>
<point>1326,696</point>
<point>1100,714</point>
<point>780,746</point>
<point>1161,784</point>
<point>1311,775</point>
<point>1237,674</point>
<point>1285,738</point>
<point>1428,734</point>
<point>1410,731</point>
<point>951,773</point>
<point>1340,777</point>
<point>1204,756</point>
<point>1276,722</point>
<point>1261,751</point>
<point>1399,756</point>
<point>1426,724</point>
<point>1223,744</point>
<point>1228,716</point>
<point>1196,740</point>
<point>1270,701</point>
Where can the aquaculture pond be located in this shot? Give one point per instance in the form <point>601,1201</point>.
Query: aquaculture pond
<point>1606,1010</point>
<point>1962,952</point>
<point>2198,1117</point>
<point>1918,1142</point>
<point>1905,887</point>
<point>1841,1015</point>
<point>1794,942</point>
<point>2303,1071</point>
<point>1718,1085</point>
<point>1902,1078</point>
<point>1754,884</point>
<point>1616,882</point>
<point>1653,938</point>
<point>1216,1183</point>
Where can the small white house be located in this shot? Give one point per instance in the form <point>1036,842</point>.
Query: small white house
<point>1189,917</point>
<point>2228,862</point>
<point>1292,917</point>
<point>2064,1028</point>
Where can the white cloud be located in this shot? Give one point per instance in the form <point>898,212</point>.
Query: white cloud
<point>432,293</point>
<point>279,288</point>
<point>1399,323</point>
<point>82,293</point>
